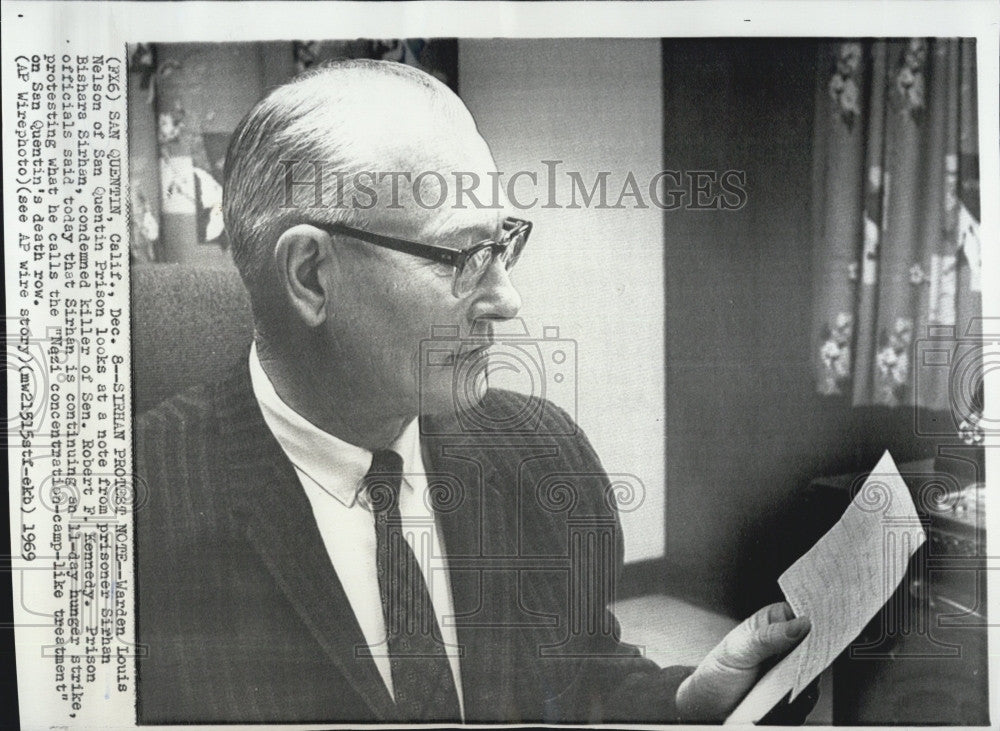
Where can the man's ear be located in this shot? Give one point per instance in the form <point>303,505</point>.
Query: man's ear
<point>301,255</point>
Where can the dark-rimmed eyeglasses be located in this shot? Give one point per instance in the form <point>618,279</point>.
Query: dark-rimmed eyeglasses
<point>470,263</point>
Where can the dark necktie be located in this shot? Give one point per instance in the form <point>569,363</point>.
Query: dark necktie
<point>421,675</point>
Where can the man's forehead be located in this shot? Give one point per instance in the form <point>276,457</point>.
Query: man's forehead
<point>444,192</point>
<point>395,117</point>
<point>445,225</point>
<point>449,151</point>
<point>434,172</point>
<point>485,224</point>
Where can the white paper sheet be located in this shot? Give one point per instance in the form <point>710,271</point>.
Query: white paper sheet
<point>841,582</point>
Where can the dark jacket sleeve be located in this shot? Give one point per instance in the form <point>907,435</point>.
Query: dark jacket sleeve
<point>617,684</point>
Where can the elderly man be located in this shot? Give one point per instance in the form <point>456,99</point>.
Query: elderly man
<point>332,533</point>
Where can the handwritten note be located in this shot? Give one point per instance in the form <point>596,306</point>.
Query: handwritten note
<point>841,583</point>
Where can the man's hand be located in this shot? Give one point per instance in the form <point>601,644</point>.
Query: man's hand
<point>730,670</point>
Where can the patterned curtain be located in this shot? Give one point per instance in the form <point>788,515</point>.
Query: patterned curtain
<point>185,100</point>
<point>895,215</point>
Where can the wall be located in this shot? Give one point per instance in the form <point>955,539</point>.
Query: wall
<point>701,317</point>
<point>596,105</point>
<point>745,429</point>
<point>738,301</point>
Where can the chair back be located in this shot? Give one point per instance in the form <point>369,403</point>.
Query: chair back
<point>190,325</point>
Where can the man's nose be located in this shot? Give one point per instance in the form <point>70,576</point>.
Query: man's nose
<point>498,298</point>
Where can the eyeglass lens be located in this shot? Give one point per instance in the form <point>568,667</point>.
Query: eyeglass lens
<point>477,264</point>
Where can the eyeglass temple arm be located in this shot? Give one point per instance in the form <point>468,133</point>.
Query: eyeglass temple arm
<point>439,254</point>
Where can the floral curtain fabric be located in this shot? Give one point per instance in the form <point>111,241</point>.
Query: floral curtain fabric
<point>895,215</point>
<point>185,101</point>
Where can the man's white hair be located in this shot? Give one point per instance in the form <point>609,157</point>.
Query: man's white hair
<point>343,115</point>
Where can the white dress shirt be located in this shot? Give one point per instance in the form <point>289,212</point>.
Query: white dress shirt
<point>331,472</point>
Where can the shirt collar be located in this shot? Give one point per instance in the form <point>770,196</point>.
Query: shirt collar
<point>336,466</point>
